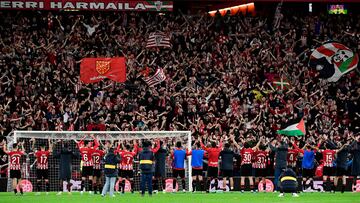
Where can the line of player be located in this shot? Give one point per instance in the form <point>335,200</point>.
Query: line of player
<point>254,158</point>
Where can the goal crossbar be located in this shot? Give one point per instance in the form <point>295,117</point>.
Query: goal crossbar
<point>101,135</point>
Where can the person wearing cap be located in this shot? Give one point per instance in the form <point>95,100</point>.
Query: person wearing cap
<point>110,170</point>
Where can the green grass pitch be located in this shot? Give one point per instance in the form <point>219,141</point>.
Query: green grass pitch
<point>184,198</point>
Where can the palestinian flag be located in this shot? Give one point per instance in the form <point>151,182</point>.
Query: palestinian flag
<point>333,60</point>
<point>297,129</point>
<point>281,83</point>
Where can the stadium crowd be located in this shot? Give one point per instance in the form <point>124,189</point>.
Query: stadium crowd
<point>220,73</point>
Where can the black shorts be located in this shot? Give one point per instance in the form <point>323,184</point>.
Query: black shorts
<point>227,173</point>
<point>15,174</point>
<point>307,173</point>
<point>177,173</point>
<point>87,171</point>
<point>260,172</point>
<point>329,171</point>
<point>340,171</point>
<point>127,173</point>
<point>197,172</point>
<point>97,173</point>
<point>160,172</point>
<point>212,172</point>
<point>42,174</point>
<point>246,170</point>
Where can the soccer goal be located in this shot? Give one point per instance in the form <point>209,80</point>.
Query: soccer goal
<point>58,138</point>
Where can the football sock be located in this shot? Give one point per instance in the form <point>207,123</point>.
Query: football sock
<point>194,184</point>
<point>82,185</point>
<point>342,188</point>
<point>15,191</point>
<point>38,186</point>
<point>21,190</point>
<point>208,184</point>
<point>47,186</point>
<point>163,184</point>
<point>132,185</point>
<point>183,184</point>
<point>90,185</point>
<point>156,184</point>
<point>68,186</point>
<point>332,186</point>
<point>216,183</point>
<point>312,184</point>
<point>304,184</point>
<point>123,186</point>
<point>174,183</point>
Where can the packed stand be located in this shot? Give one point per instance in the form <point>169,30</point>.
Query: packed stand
<point>219,73</point>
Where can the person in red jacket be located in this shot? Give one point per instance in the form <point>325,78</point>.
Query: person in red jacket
<point>213,162</point>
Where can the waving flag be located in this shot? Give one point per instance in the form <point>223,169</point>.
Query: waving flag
<point>158,39</point>
<point>297,129</point>
<point>157,78</point>
<point>281,83</point>
<point>278,16</point>
<point>96,69</point>
<point>333,60</point>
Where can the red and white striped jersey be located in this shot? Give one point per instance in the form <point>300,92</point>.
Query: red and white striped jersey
<point>42,159</point>
<point>329,157</point>
<point>246,156</point>
<point>97,155</point>
<point>127,160</point>
<point>260,159</point>
<point>86,156</point>
<point>292,157</point>
<point>14,158</point>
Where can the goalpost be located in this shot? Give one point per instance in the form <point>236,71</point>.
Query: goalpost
<point>41,137</point>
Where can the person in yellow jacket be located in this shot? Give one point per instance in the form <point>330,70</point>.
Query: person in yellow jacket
<point>288,183</point>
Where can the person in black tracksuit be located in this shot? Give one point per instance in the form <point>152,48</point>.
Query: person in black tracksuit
<point>288,183</point>
<point>227,165</point>
<point>146,158</point>
<point>160,172</point>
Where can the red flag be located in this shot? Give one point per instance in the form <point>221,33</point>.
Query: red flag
<point>96,69</point>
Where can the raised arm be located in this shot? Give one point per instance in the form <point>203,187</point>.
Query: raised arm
<point>22,149</point>
<point>341,148</point>
<point>96,142</point>
<point>32,140</point>
<point>203,146</point>
<point>50,145</point>
<point>235,143</point>
<point>156,149</point>
<point>271,146</point>
<point>5,148</point>
<point>81,142</point>
<point>258,144</point>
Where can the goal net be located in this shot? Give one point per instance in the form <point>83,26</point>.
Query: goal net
<point>58,138</point>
